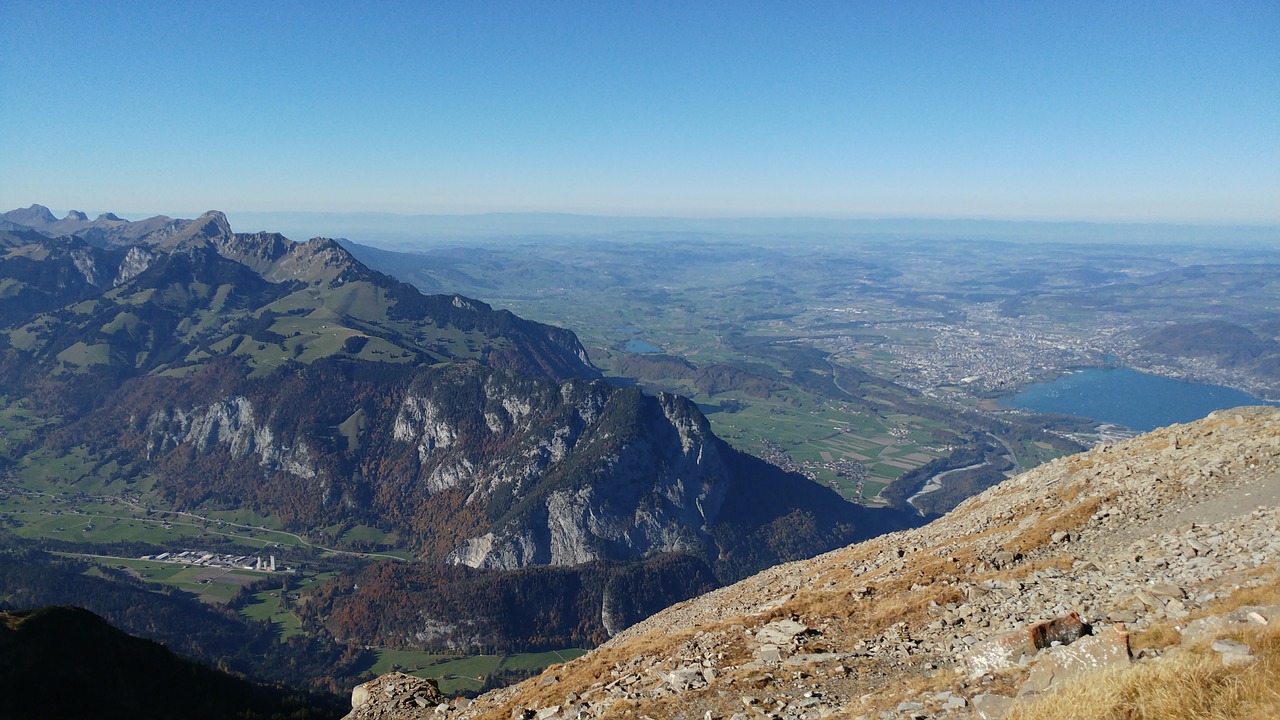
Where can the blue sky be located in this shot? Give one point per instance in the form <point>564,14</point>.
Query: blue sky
<point>1164,111</point>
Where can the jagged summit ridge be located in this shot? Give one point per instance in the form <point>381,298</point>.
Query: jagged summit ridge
<point>181,265</point>
<point>270,255</point>
<point>1124,554</point>
<point>316,259</point>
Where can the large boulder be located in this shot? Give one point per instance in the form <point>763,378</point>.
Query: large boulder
<point>1019,646</point>
<point>407,696</point>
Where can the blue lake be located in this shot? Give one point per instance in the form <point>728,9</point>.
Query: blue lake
<point>1136,400</point>
<point>640,346</point>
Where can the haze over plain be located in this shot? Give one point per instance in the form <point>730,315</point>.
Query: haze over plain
<point>1143,111</point>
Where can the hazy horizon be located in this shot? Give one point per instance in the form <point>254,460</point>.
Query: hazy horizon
<point>400,229</point>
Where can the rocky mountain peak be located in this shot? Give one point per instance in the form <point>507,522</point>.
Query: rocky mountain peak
<point>35,216</point>
<point>319,258</point>
<point>76,216</point>
<point>211,225</point>
<point>109,217</point>
<point>1140,558</point>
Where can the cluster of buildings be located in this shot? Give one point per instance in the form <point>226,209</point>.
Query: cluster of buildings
<point>995,352</point>
<point>200,558</point>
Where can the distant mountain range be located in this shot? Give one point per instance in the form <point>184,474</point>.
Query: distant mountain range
<point>392,228</point>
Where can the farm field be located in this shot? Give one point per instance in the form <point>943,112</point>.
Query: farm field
<point>468,674</point>
<point>76,499</point>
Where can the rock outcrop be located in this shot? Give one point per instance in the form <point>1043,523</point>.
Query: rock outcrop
<point>1133,554</point>
<point>396,694</point>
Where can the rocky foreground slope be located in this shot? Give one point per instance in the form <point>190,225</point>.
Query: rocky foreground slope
<point>1134,559</point>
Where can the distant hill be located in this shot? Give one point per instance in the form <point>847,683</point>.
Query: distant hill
<point>1231,345</point>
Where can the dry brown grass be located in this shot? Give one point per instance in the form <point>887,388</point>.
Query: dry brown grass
<point>1159,635</point>
<point>1267,593</point>
<point>911,606</point>
<point>905,688</point>
<point>579,675</point>
<point>1076,463</point>
<point>1070,492</point>
<point>893,600</point>
<point>1183,685</point>
<point>1070,518</point>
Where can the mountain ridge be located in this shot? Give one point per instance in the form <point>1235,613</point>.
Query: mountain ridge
<point>116,267</point>
<point>230,371</point>
<point>397,228</point>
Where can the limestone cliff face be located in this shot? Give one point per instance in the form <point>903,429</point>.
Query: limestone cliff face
<point>229,423</point>
<point>83,260</point>
<point>46,274</point>
<point>104,269</point>
<point>480,467</point>
<point>586,472</point>
<point>136,261</point>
